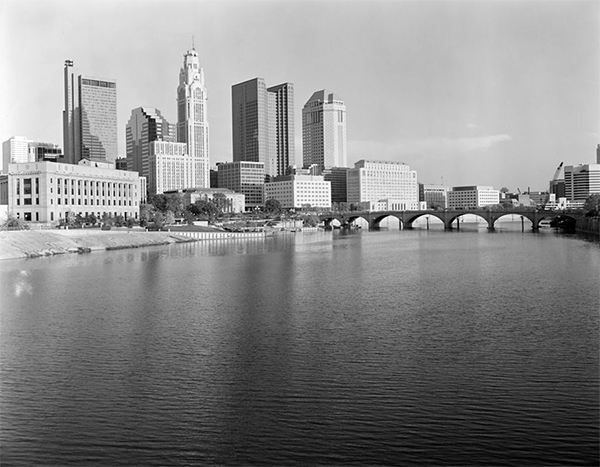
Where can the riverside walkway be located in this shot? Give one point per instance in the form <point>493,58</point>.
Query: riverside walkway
<point>447,216</point>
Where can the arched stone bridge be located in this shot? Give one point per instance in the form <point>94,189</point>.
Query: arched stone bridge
<point>448,216</point>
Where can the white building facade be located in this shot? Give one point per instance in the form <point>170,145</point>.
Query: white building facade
<point>47,191</point>
<point>324,131</point>
<point>19,149</point>
<point>192,118</point>
<point>170,167</point>
<point>300,191</point>
<point>15,150</point>
<point>371,182</point>
<point>581,181</point>
<point>471,197</point>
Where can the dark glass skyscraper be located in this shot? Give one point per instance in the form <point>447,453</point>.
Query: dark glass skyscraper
<point>263,124</point>
<point>89,118</point>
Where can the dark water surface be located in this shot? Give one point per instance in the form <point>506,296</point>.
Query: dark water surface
<point>377,348</point>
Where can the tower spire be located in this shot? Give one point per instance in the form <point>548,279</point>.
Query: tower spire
<point>193,47</point>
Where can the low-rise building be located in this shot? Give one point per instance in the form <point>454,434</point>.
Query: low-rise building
<point>300,191</point>
<point>339,186</point>
<point>373,181</point>
<point>434,196</point>
<point>19,149</point>
<point>47,191</point>
<point>470,197</point>
<point>244,177</point>
<point>228,200</point>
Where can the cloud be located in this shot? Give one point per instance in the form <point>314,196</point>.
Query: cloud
<point>440,147</point>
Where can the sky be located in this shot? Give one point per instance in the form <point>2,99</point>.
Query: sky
<point>464,92</point>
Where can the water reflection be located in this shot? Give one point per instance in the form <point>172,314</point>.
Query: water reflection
<point>437,348</point>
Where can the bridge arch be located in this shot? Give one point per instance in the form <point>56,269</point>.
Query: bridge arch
<point>456,218</point>
<point>350,219</point>
<point>410,219</point>
<point>525,214</point>
<point>376,221</point>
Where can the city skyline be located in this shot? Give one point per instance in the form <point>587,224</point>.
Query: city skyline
<point>487,93</point>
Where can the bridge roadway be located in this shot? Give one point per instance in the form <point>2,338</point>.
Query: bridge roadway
<point>447,216</point>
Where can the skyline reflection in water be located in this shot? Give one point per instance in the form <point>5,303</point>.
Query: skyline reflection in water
<point>419,348</point>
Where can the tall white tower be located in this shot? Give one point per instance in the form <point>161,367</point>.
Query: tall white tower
<point>192,122</point>
<point>324,131</point>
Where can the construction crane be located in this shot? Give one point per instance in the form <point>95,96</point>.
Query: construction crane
<point>551,184</point>
<point>557,172</point>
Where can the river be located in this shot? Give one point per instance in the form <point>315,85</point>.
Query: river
<point>419,347</point>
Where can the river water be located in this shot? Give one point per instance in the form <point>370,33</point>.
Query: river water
<point>368,348</point>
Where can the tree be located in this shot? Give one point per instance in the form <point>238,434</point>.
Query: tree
<point>107,219</point>
<point>189,217</point>
<point>13,222</point>
<point>159,219</point>
<point>310,220</point>
<point>119,221</point>
<point>592,205</point>
<point>158,201</point>
<point>174,203</point>
<point>90,219</point>
<point>272,206</point>
<point>220,201</point>
<point>146,214</point>
<point>203,208</point>
<point>169,217</point>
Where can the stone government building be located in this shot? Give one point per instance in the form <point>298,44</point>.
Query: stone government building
<point>47,191</point>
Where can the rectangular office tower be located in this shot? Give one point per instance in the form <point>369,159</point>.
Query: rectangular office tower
<point>284,126</point>
<point>89,118</point>
<point>324,131</point>
<point>263,124</point>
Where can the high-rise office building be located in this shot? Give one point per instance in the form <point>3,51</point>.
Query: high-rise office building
<point>192,121</point>
<point>263,124</point>
<point>89,118</point>
<point>285,154</point>
<point>70,115</point>
<point>145,125</point>
<point>324,131</point>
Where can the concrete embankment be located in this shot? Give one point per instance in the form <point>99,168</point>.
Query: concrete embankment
<point>34,243</point>
<point>588,225</point>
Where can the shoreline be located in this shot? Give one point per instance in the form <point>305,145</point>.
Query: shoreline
<point>24,244</point>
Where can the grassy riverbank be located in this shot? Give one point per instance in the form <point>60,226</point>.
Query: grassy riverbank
<point>34,243</point>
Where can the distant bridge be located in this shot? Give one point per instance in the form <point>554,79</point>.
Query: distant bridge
<point>447,216</point>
